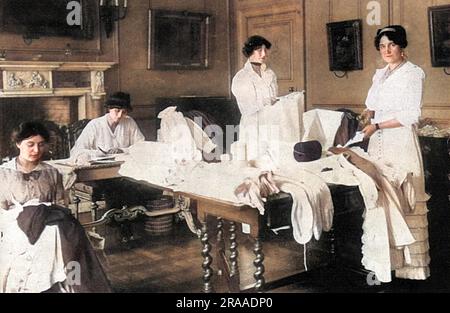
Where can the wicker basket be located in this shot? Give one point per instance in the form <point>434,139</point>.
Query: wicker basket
<point>162,224</point>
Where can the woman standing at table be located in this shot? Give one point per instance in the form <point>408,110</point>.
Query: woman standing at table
<point>394,103</point>
<point>254,86</point>
<point>40,240</point>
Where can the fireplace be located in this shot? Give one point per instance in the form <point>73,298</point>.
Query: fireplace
<point>62,92</point>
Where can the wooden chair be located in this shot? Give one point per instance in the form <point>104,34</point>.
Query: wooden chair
<point>73,131</point>
<point>57,143</point>
<point>81,191</point>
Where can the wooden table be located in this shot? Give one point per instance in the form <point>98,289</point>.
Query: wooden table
<point>87,173</point>
<point>97,172</point>
<point>343,240</point>
<point>234,213</point>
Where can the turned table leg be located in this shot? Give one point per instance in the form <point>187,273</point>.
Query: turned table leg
<point>77,201</point>
<point>234,269</point>
<point>258,262</point>
<point>207,260</point>
<point>220,246</point>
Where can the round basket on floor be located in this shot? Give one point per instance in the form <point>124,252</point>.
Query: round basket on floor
<point>161,224</point>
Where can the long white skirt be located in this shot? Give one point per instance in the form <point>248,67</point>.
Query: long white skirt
<point>400,148</point>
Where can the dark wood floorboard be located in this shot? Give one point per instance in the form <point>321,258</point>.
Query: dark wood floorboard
<point>172,263</point>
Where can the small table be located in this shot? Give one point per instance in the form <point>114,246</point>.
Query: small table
<point>86,173</point>
<point>97,171</point>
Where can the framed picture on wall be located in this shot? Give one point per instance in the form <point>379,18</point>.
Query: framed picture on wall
<point>439,25</point>
<point>178,40</point>
<point>345,45</point>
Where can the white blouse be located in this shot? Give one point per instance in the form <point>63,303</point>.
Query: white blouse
<point>97,134</point>
<point>252,91</point>
<point>43,183</point>
<point>397,97</point>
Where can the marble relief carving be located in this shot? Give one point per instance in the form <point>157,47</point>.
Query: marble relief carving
<point>14,82</point>
<point>99,82</point>
<point>37,81</point>
<point>26,80</point>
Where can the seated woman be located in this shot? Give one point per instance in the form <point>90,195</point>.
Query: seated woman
<point>111,133</point>
<point>42,246</point>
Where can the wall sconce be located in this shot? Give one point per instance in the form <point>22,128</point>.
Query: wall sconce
<point>110,12</point>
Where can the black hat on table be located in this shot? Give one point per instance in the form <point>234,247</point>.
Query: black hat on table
<point>307,151</point>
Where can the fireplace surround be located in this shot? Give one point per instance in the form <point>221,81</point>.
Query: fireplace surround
<point>61,92</point>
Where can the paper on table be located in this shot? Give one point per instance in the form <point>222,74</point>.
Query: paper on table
<point>106,157</point>
<point>103,159</point>
<point>359,136</point>
<point>107,161</point>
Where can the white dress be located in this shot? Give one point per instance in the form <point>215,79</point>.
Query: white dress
<point>97,134</point>
<point>399,97</point>
<point>253,93</point>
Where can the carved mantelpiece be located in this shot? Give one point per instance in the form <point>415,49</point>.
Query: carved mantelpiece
<point>56,79</point>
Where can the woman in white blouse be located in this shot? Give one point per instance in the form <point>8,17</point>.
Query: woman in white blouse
<point>394,102</point>
<point>111,133</point>
<point>38,240</point>
<point>254,86</point>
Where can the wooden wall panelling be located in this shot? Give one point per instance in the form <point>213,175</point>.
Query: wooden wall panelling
<point>341,10</point>
<point>2,134</point>
<point>146,85</point>
<point>55,47</point>
<point>436,91</point>
<point>323,88</point>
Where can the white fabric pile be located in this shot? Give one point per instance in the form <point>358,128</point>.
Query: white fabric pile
<point>312,210</point>
<point>321,125</point>
<point>170,160</point>
<point>175,132</point>
<point>25,267</point>
<point>272,124</point>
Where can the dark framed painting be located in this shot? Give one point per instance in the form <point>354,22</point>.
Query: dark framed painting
<point>439,25</point>
<point>345,45</point>
<point>178,40</point>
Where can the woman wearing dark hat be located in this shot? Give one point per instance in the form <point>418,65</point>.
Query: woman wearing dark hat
<point>394,103</point>
<point>254,86</point>
<point>112,133</point>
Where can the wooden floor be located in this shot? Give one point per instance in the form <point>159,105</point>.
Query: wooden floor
<point>172,263</point>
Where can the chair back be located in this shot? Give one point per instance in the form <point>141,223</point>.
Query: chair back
<point>57,142</point>
<point>73,131</point>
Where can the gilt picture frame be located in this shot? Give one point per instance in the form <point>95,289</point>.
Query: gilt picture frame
<point>345,45</point>
<point>439,27</point>
<point>178,40</point>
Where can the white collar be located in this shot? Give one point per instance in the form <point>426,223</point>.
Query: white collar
<point>12,165</point>
<point>248,66</point>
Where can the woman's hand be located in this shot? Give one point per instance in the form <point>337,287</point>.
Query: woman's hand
<point>368,113</point>
<point>115,151</point>
<point>365,117</point>
<point>369,130</point>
